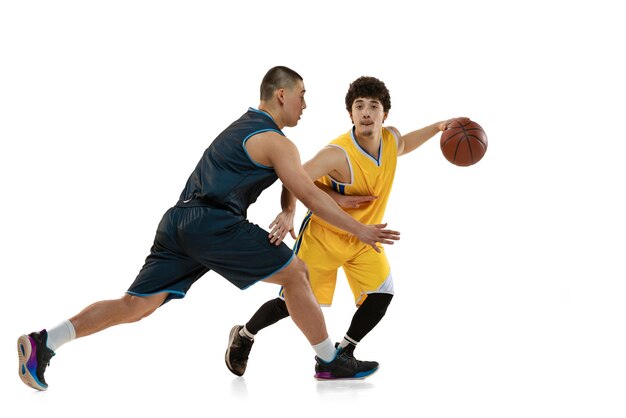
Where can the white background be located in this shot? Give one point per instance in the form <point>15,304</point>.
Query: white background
<point>509,275</point>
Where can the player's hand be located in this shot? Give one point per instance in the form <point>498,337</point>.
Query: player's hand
<point>444,125</point>
<point>354,201</point>
<point>280,226</point>
<point>374,234</point>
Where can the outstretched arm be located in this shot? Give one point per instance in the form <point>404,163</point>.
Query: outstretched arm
<point>283,223</point>
<point>413,140</point>
<point>326,162</point>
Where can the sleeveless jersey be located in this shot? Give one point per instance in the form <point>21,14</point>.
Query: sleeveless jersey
<point>369,177</point>
<point>226,177</point>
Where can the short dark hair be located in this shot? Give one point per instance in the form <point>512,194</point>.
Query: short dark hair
<point>368,87</point>
<point>277,78</point>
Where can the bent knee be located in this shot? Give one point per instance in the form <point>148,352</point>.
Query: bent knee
<point>139,307</point>
<point>379,302</point>
<point>301,271</point>
<point>296,273</point>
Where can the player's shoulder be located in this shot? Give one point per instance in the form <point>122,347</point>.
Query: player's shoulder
<point>331,152</point>
<point>270,138</point>
<point>393,136</point>
<point>268,146</point>
<point>393,130</point>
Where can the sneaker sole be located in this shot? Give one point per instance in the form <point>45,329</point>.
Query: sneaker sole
<point>26,354</point>
<point>358,376</point>
<point>231,337</point>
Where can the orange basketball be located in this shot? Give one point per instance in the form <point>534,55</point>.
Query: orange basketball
<point>464,142</point>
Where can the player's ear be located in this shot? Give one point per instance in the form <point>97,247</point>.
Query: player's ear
<point>280,95</point>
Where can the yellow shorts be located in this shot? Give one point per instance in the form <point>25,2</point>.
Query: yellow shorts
<point>324,251</point>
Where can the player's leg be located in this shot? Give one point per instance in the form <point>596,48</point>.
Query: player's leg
<point>301,303</point>
<point>268,314</point>
<point>37,348</point>
<point>324,251</point>
<point>322,265</point>
<point>244,255</point>
<point>166,274</point>
<point>241,337</point>
<point>107,313</point>
<point>371,282</point>
<point>307,315</point>
<point>316,272</point>
<point>366,317</point>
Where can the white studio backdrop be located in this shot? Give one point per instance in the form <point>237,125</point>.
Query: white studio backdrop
<point>509,274</point>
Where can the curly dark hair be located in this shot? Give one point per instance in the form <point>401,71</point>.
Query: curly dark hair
<point>368,87</point>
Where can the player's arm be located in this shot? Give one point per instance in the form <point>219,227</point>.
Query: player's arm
<point>328,161</point>
<point>283,223</point>
<point>317,167</point>
<point>283,155</point>
<point>415,139</point>
<point>332,161</point>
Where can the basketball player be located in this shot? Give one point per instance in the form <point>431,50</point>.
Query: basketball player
<point>207,230</point>
<point>361,162</point>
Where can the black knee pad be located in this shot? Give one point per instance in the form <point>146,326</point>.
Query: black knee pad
<point>378,302</point>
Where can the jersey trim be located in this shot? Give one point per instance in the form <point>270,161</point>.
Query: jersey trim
<point>273,273</point>
<point>349,166</point>
<point>176,293</point>
<point>393,132</point>
<point>243,144</point>
<point>305,223</point>
<point>252,109</point>
<point>367,154</point>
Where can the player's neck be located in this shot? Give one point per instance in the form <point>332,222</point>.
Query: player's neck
<point>265,107</point>
<point>369,141</point>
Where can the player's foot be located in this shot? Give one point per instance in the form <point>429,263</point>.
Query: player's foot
<point>344,366</point>
<point>34,356</point>
<point>363,366</point>
<point>238,351</point>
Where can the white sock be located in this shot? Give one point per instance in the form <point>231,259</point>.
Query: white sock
<point>61,334</point>
<point>245,333</point>
<point>326,350</point>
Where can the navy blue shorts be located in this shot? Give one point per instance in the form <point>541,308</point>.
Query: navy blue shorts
<point>191,241</point>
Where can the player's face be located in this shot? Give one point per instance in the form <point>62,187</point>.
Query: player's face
<point>368,116</point>
<point>294,104</point>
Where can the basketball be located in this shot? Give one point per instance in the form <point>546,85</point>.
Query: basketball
<point>464,142</point>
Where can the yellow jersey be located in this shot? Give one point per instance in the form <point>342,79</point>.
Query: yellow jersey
<point>369,176</point>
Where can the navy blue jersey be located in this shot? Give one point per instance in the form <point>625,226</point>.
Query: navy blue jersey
<point>226,177</point>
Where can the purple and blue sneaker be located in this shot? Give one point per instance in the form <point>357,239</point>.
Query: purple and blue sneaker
<point>34,356</point>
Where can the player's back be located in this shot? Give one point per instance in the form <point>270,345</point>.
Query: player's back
<point>226,176</point>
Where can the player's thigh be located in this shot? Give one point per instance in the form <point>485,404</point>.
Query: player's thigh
<point>168,269</point>
<point>323,252</point>
<point>367,271</point>
<point>242,252</point>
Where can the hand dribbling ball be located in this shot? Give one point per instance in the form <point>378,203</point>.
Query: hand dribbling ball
<point>464,142</point>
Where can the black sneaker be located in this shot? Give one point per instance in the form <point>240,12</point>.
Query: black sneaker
<point>238,351</point>
<point>34,356</point>
<point>344,366</point>
<point>362,365</point>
